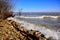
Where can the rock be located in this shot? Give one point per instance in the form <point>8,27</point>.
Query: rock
<point>42,35</point>
<point>11,30</point>
<point>50,38</point>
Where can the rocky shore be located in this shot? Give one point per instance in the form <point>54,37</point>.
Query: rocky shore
<point>11,30</point>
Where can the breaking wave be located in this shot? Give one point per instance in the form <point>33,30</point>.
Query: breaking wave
<point>41,17</point>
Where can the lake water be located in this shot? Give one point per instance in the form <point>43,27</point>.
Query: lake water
<point>53,24</point>
<point>38,13</point>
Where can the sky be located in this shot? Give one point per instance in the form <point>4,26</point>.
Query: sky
<point>37,5</point>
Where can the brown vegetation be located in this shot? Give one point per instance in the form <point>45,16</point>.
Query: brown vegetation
<point>58,17</point>
<point>12,30</point>
<point>47,18</point>
<point>5,9</point>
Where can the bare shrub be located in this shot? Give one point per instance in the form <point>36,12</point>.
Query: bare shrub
<point>5,8</point>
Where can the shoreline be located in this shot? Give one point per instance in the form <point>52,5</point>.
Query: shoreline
<point>47,32</point>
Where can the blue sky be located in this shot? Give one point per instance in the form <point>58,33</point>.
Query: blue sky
<point>37,5</point>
